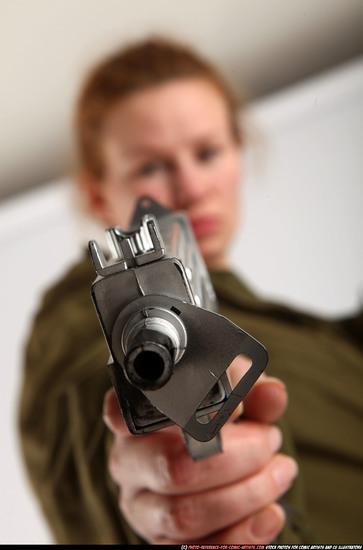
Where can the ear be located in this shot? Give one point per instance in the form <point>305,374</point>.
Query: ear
<point>91,191</point>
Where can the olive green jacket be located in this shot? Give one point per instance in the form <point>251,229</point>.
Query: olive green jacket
<point>65,442</point>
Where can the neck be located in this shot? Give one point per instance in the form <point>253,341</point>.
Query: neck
<point>217,264</point>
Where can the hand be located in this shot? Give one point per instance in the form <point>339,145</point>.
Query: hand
<point>228,498</point>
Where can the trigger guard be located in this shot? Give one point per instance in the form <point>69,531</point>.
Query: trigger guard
<point>213,343</point>
<point>206,431</point>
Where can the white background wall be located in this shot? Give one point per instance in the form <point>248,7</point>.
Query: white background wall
<point>47,45</point>
<point>304,196</point>
<point>302,241</point>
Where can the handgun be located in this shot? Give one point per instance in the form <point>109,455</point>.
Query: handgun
<point>169,347</point>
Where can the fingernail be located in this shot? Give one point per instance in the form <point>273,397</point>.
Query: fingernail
<point>267,523</point>
<point>275,438</point>
<point>285,471</point>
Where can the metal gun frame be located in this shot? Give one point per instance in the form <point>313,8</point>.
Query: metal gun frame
<point>169,348</point>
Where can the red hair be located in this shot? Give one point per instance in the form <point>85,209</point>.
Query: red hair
<point>141,65</point>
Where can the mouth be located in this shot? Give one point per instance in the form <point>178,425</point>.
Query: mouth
<point>204,226</point>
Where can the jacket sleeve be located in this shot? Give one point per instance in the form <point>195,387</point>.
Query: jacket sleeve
<point>63,437</point>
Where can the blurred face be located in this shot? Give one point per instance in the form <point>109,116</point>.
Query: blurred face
<point>174,143</point>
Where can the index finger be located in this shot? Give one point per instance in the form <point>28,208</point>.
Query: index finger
<point>267,399</point>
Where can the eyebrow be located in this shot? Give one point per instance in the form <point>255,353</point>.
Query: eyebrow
<point>143,150</point>
<point>153,149</point>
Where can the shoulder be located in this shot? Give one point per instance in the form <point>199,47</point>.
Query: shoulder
<point>75,284</point>
<point>66,324</point>
<point>68,303</point>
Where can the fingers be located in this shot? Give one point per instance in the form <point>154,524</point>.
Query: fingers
<point>193,516</point>
<point>261,528</point>
<point>266,401</point>
<point>160,462</point>
<point>169,498</point>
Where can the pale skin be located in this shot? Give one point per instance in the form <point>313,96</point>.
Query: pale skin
<point>174,143</point>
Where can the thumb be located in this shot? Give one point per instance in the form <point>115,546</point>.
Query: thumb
<point>112,414</point>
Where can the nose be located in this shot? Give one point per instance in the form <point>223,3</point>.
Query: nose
<point>190,183</point>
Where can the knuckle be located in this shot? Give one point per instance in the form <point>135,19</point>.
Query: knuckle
<point>260,453</point>
<point>114,463</point>
<point>123,504</point>
<point>181,516</point>
<point>256,452</point>
<point>174,471</point>
<point>256,490</point>
<point>130,510</point>
<point>126,504</point>
<point>266,440</point>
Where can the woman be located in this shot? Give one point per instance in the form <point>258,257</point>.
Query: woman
<point>156,119</point>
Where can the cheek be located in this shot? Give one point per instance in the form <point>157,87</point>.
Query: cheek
<point>228,194</point>
<point>119,205</point>
<point>229,180</point>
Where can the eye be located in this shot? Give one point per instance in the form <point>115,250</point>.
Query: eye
<point>150,168</point>
<point>207,153</point>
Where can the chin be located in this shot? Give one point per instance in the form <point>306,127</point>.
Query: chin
<point>213,256</point>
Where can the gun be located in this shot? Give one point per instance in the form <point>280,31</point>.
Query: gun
<point>169,348</point>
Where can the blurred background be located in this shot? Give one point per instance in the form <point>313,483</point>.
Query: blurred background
<point>299,66</point>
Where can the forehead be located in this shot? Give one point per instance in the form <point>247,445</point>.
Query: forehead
<point>175,111</point>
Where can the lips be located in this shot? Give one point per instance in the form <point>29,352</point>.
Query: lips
<point>204,226</point>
